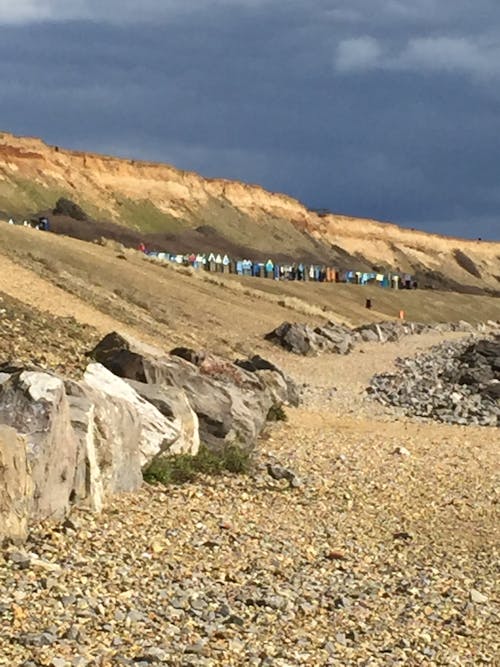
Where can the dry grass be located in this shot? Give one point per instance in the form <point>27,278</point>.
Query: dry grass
<point>158,197</point>
<point>171,305</point>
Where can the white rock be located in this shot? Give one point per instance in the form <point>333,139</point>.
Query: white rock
<point>158,433</point>
<point>477,597</point>
<point>402,451</point>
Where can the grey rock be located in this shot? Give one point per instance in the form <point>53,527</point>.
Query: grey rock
<point>231,404</point>
<point>303,340</point>
<point>58,662</point>
<point>477,597</point>
<point>37,639</point>
<point>173,404</point>
<point>446,384</point>
<point>180,603</point>
<point>34,403</point>
<point>281,386</point>
<point>279,472</point>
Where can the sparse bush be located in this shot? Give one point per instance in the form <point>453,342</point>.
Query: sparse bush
<point>67,207</point>
<point>182,468</point>
<point>277,414</point>
<point>466,263</point>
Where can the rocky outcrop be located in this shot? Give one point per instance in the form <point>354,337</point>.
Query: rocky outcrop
<point>231,403</point>
<point>283,389</point>
<point>108,429</point>
<point>157,433</point>
<point>457,383</point>
<point>306,341</point>
<point>338,339</point>
<point>16,487</point>
<point>35,404</point>
<point>84,440</point>
<point>65,442</point>
<point>174,405</point>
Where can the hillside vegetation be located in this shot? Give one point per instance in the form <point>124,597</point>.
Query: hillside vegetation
<point>168,204</point>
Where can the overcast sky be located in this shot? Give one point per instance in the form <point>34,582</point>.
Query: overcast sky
<point>379,108</point>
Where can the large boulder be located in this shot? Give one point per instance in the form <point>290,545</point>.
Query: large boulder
<point>281,386</point>
<point>335,338</point>
<point>34,403</point>
<point>69,208</point>
<point>389,331</point>
<point>173,404</point>
<point>109,431</point>
<point>16,486</point>
<point>231,404</point>
<point>297,338</point>
<point>157,432</point>
<point>306,341</point>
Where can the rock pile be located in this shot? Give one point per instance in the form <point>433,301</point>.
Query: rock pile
<point>67,442</point>
<point>303,339</point>
<point>231,400</point>
<point>457,383</point>
<point>339,339</point>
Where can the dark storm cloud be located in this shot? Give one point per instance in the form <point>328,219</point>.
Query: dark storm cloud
<point>379,108</point>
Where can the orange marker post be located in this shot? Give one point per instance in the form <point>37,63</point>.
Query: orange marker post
<point>401,314</point>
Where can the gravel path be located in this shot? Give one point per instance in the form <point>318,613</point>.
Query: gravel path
<point>386,555</point>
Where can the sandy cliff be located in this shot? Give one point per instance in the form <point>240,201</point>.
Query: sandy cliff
<point>157,198</point>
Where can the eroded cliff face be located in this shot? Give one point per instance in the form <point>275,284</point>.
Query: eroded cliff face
<point>159,198</point>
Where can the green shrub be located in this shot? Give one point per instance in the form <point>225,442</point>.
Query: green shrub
<point>277,414</point>
<point>182,468</point>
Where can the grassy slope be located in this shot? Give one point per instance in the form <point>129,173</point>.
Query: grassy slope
<point>171,307</point>
<point>156,197</point>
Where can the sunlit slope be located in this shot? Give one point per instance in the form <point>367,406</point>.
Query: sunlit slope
<point>159,198</point>
<point>108,289</point>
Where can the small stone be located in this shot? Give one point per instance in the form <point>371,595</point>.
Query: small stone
<point>232,619</point>
<point>58,662</point>
<point>477,597</point>
<point>134,617</point>
<point>330,648</point>
<point>276,602</point>
<point>336,554</point>
<point>198,604</point>
<point>197,648</point>
<point>401,451</point>
<point>340,638</point>
<point>79,661</point>
<point>224,610</point>
<point>341,602</point>
<point>72,633</point>
<point>20,558</point>
<point>179,603</point>
<point>402,535</point>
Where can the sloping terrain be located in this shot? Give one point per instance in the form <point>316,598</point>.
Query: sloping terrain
<point>178,210</point>
<point>387,554</point>
<point>169,306</point>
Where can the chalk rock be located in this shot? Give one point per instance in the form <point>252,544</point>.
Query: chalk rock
<point>16,486</point>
